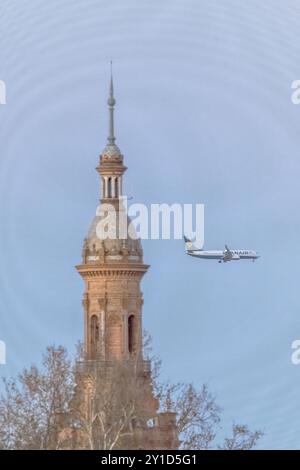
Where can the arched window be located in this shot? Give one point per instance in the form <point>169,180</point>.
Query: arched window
<point>117,187</point>
<point>109,187</point>
<point>94,336</point>
<point>103,187</point>
<point>131,333</point>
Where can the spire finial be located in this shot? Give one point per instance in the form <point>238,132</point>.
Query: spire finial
<point>111,104</point>
<point>111,150</point>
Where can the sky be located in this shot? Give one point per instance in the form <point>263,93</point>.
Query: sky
<point>204,115</point>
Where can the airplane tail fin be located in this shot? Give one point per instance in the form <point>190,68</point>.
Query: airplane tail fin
<point>189,246</point>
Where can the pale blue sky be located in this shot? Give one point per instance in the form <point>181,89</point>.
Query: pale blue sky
<point>203,115</point>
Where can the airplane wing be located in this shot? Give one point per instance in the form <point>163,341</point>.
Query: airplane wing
<point>227,254</point>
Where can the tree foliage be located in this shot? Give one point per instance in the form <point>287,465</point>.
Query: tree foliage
<point>41,408</point>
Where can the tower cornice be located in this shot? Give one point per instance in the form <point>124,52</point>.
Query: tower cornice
<point>112,271</point>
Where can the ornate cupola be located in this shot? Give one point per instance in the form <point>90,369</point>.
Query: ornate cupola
<point>122,246</point>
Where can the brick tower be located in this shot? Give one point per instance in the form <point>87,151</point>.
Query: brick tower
<point>112,268</point>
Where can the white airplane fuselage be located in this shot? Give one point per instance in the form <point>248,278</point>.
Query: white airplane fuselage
<point>223,255</point>
<point>220,255</point>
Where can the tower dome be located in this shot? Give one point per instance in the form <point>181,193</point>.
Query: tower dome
<point>105,244</point>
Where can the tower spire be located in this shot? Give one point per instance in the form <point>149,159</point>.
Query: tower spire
<point>111,106</point>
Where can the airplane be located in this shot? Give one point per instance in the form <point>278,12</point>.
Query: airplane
<point>220,255</point>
